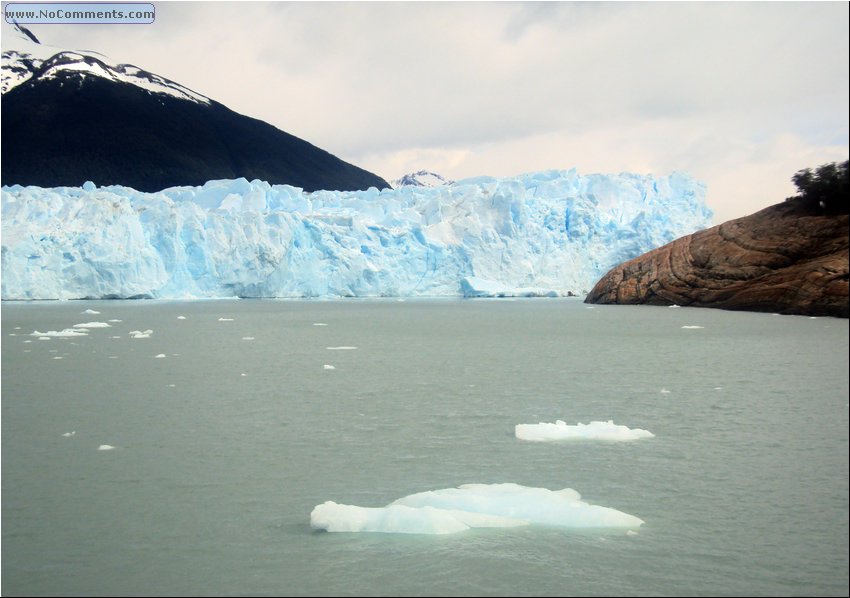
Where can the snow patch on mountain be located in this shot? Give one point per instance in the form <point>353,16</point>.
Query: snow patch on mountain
<point>25,59</point>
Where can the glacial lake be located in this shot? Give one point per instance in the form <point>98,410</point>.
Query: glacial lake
<point>227,430</point>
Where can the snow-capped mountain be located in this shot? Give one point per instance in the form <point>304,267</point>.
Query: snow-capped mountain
<point>73,115</point>
<point>30,59</point>
<point>421,178</point>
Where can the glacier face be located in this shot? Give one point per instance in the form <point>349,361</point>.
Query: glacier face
<point>554,231</point>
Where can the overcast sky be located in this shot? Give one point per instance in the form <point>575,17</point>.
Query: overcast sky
<point>741,95</point>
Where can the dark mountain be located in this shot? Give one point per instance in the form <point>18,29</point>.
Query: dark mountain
<point>69,117</point>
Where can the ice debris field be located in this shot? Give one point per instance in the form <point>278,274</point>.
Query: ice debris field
<point>545,233</point>
<point>453,510</point>
<point>595,430</point>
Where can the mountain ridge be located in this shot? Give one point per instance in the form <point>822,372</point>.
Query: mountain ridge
<point>71,116</point>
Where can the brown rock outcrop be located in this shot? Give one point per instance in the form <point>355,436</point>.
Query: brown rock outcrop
<point>783,259</point>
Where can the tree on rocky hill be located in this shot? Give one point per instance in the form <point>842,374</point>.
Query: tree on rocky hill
<point>825,190</point>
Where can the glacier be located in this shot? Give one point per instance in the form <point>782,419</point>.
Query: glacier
<point>551,233</point>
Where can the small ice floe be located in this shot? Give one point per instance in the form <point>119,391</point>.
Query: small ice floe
<point>28,340</point>
<point>160,356</point>
<point>319,324</point>
<point>58,357</point>
<point>172,386</point>
<point>243,374</point>
<point>589,306</point>
<point>44,338</point>
<point>16,328</point>
<point>92,325</point>
<point>328,367</point>
<point>595,430</point>
<point>115,321</point>
<point>90,311</point>
<point>13,334</point>
<point>105,447</point>
<point>225,319</point>
<point>112,357</point>
<point>247,338</point>
<point>631,532</point>
<point>140,333</point>
<point>27,350</point>
<point>692,327</point>
<point>67,333</point>
<point>813,317</point>
<point>718,388</point>
<point>181,317</point>
<point>69,434</point>
<point>343,348</point>
<point>452,510</point>
<point>674,305</point>
<point>664,391</point>
<point>115,337</point>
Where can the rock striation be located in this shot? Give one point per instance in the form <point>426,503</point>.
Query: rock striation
<point>787,258</point>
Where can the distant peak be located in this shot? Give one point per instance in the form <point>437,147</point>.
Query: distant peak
<point>421,178</point>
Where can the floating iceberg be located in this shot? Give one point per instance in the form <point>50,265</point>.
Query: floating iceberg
<point>66,333</point>
<point>595,430</point>
<point>92,325</point>
<point>545,233</point>
<point>140,333</point>
<point>453,510</point>
<point>478,287</point>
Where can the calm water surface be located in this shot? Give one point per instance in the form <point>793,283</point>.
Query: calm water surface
<point>225,445</point>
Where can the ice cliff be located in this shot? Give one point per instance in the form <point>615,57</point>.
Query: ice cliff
<point>546,233</point>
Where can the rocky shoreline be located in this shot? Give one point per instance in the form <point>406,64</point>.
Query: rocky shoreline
<point>787,259</point>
